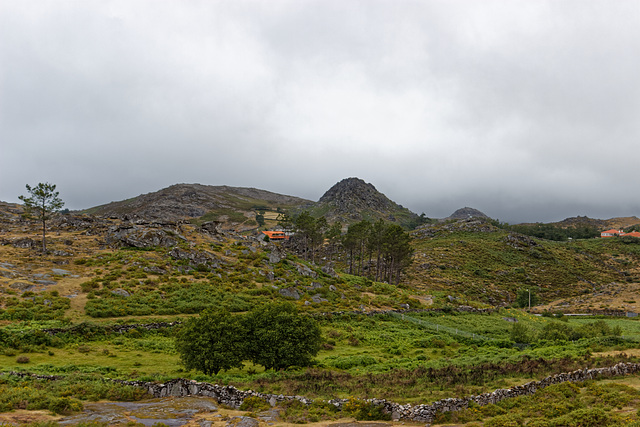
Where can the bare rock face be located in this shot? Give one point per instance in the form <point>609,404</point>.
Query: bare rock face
<point>25,243</point>
<point>212,227</point>
<point>196,258</point>
<point>290,293</point>
<point>352,200</point>
<point>142,236</point>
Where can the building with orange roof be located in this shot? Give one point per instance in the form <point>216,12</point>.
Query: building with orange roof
<point>614,232</point>
<point>276,235</point>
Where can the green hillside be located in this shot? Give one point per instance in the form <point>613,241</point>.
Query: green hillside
<point>60,313</point>
<point>482,262</point>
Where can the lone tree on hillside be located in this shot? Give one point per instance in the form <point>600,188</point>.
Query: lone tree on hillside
<point>43,202</point>
<point>211,342</point>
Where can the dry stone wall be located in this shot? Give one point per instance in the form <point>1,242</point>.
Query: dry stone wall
<point>231,396</point>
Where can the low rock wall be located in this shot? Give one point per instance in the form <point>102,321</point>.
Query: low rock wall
<point>114,328</point>
<point>229,395</point>
<point>226,395</point>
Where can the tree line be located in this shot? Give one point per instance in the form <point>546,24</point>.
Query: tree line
<point>379,250</point>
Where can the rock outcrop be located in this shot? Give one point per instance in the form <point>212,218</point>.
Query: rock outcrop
<point>143,235</point>
<point>352,200</point>
<point>467,213</point>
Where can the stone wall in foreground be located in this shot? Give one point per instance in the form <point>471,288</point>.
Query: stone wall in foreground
<point>231,396</point>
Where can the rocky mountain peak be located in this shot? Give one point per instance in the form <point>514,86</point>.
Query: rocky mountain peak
<point>354,193</point>
<point>466,213</point>
<point>353,199</point>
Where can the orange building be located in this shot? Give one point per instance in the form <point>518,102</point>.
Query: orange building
<point>276,235</point>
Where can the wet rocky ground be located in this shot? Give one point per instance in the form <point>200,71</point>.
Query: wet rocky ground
<point>193,411</point>
<point>169,411</point>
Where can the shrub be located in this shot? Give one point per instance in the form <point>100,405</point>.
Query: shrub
<point>253,404</point>
<point>64,405</point>
<point>363,410</point>
<point>353,361</point>
<point>23,359</point>
<point>84,349</point>
<point>520,333</point>
<point>538,422</point>
<point>589,417</point>
<point>507,420</point>
<point>294,411</point>
<point>556,331</point>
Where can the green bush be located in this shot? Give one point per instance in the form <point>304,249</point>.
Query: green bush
<point>520,333</point>
<point>212,342</point>
<point>278,336</point>
<point>506,420</point>
<point>349,362</point>
<point>64,405</point>
<point>254,404</point>
<point>589,417</point>
<point>363,410</point>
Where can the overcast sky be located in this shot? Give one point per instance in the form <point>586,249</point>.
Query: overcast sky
<point>525,110</point>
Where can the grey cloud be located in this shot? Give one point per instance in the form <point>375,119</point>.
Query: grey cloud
<point>527,111</point>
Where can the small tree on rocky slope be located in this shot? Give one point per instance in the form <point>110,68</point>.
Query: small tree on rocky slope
<point>43,202</point>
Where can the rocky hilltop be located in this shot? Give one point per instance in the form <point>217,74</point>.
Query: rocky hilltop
<point>352,200</point>
<point>466,213</point>
<point>198,201</point>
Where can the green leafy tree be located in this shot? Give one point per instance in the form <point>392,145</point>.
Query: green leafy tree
<point>375,244</point>
<point>397,252</point>
<point>285,221</point>
<point>333,235</point>
<point>305,226</point>
<point>522,298</point>
<point>280,337</point>
<point>212,342</point>
<point>355,243</point>
<point>41,204</point>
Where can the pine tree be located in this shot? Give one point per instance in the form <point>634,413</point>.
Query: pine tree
<point>43,202</point>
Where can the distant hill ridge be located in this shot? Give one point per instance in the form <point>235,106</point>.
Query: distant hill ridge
<point>195,200</point>
<point>348,201</point>
<point>601,224</point>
